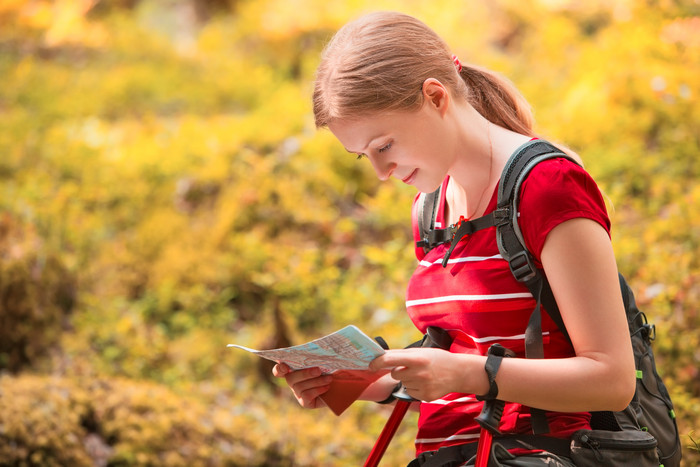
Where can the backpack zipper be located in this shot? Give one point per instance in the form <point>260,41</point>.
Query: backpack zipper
<point>620,445</point>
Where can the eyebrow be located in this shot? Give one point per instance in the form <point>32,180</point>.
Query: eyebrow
<point>368,144</point>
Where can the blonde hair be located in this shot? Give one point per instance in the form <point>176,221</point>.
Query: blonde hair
<point>379,62</point>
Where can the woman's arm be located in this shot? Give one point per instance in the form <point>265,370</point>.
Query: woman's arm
<point>579,262</point>
<point>580,265</point>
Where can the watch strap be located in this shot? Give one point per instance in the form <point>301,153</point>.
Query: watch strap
<point>494,357</point>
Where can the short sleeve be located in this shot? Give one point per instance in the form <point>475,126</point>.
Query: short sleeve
<point>555,191</point>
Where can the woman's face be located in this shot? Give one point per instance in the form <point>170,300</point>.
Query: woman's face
<point>410,146</point>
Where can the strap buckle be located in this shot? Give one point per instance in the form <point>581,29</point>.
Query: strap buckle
<point>522,267</point>
<point>435,237</point>
<point>501,216</point>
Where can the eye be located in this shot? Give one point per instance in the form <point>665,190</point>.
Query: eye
<point>384,148</point>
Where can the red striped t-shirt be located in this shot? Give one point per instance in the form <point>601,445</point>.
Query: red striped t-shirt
<point>477,299</point>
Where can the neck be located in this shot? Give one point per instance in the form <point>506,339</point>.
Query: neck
<point>482,150</point>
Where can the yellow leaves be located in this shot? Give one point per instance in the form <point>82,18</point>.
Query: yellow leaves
<point>194,197</point>
<point>38,415</point>
<point>61,21</point>
<point>583,106</point>
<point>685,31</point>
<point>283,19</point>
<point>69,25</point>
<point>34,14</point>
<point>10,6</point>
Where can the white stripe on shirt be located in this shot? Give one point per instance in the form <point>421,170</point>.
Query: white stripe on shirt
<point>448,402</point>
<point>467,298</point>
<point>481,340</point>
<point>449,438</point>
<point>466,259</point>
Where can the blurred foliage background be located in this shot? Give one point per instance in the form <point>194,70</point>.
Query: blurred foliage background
<point>163,193</point>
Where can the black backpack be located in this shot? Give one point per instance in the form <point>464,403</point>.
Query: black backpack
<point>651,408</point>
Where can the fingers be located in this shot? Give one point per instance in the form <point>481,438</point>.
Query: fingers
<point>308,393</point>
<point>298,376</point>
<point>306,384</point>
<point>308,389</point>
<point>422,370</point>
<point>398,358</point>
<point>382,362</point>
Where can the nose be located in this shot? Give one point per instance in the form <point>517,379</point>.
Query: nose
<point>383,169</point>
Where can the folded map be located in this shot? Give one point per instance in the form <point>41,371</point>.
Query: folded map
<point>345,354</point>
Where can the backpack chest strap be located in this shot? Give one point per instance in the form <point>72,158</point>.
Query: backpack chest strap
<point>464,228</point>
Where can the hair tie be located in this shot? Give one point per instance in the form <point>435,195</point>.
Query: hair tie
<point>458,64</point>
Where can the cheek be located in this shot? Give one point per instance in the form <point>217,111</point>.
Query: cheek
<point>430,155</point>
<point>421,151</point>
<point>429,144</point>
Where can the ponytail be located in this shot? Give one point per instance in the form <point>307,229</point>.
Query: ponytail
<point>497,99</point>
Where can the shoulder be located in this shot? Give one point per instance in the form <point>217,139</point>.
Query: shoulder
<point>560,177</point>
<point>552,173</point>
<point>555,191</point>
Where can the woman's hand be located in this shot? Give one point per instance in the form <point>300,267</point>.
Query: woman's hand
<point>307,384</point>
<point>429,374</point>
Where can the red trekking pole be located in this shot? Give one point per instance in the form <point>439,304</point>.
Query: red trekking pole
<point>387,433</point>
<point>491,414</point>
<point>489,419</point>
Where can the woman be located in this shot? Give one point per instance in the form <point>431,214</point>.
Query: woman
<point>390,91</point>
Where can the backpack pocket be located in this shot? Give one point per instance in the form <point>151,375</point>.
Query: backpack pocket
<point>595,448</point>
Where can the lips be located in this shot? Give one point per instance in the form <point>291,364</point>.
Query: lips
<point>409,178</point>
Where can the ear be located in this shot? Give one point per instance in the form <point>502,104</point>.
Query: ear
<point>436,94</point>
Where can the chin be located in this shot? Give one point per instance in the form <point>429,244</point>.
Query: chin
<point>426,187</point>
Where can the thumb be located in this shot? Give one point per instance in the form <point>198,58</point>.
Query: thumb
<point>280,370</point>
<point>384,362</point>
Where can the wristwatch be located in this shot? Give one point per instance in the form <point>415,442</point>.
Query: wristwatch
<point>494,356</point>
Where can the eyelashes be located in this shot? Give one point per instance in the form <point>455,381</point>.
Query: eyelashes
<point>380,150</point>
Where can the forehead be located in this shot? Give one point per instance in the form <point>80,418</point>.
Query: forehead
<point>356,134</point>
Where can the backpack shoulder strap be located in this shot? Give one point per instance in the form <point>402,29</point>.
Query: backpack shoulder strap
<point>511,243</point>
<point>510,240</point>
<point>426,207</point>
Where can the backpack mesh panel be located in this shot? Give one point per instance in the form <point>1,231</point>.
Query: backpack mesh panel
<point>604,421</point>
